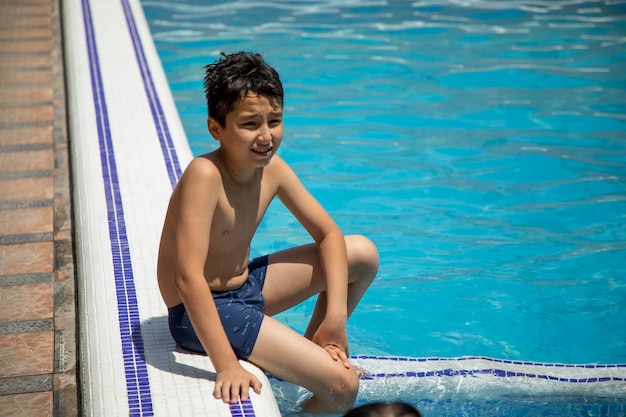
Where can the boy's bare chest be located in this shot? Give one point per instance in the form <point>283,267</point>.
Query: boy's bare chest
<point>239,213</point>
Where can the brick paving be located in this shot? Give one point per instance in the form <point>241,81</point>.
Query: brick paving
<point>37,299</point>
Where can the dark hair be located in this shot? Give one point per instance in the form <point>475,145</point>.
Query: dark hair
<point>394,409</point>
<point>232,77</point>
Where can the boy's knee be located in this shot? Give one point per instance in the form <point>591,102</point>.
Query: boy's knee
<point>362,254</point>
<point>337,395</point>
<point>344,391</point>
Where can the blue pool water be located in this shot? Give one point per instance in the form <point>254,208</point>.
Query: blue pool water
<point>480,144</point>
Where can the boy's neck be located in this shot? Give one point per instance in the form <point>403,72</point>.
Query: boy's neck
<point>238,175</point>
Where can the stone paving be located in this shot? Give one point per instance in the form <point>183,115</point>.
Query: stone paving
<point>38,344</point>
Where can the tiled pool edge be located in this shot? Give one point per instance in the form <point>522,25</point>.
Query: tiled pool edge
<point>128,148</point>
<point>477,376</point>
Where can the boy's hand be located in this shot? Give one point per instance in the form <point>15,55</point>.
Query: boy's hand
<point>333,338</point>
<point>235,382</point>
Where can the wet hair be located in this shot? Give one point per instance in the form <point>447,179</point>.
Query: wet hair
<point>380,409</point>
<point>232,77</point>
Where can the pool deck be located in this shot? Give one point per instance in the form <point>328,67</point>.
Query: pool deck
<point>56,219</point>
<point>37,314</point>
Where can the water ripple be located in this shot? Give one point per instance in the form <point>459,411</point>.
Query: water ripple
<point>481,144</point>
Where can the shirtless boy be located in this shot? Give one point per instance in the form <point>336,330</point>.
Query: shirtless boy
<point>218,301</point>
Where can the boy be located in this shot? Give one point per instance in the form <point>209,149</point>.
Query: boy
<point>220,303</point>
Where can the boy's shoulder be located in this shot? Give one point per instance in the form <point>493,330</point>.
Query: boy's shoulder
<point>278,164</point>
<point>204,167</point>
<point>277,170</point>
<point>208,161</point>
<point>210,168</point>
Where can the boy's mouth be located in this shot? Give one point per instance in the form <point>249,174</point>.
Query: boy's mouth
<point>263,151</point>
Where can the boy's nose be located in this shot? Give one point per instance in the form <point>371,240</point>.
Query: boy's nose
<point>264,133</point>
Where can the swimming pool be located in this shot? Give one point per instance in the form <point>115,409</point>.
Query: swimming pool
<point>480,144</point>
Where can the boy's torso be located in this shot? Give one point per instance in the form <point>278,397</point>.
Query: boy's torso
<point>239,211</point>
<point>237,216</point>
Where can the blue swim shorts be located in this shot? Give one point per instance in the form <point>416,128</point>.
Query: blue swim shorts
<point>239,310</point>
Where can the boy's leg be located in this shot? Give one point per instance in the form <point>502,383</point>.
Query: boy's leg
<point>287,355</point>
<point>295,274</point>
<point>292,276</point>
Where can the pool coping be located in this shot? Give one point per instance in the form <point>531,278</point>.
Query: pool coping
<point>128,150</point>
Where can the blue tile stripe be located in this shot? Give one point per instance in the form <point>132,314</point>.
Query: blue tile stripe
<point>486,358</point>
<point>135,369</point>
<point>170,157</point>
<point>242,409</point>
<point>137,381</point>
<point>160,122</point>
<point>489,371</point>
<point>493,371</point>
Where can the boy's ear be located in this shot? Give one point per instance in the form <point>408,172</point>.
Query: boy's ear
<point>215,129</point>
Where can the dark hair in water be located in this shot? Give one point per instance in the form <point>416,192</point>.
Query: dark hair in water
<point>232,77</point>
<point>394,409</point>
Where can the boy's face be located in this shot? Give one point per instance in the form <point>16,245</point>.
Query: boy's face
<point>252,132</point>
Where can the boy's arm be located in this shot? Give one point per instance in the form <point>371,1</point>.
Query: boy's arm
<point>198,200</point>
<point>333,258</point>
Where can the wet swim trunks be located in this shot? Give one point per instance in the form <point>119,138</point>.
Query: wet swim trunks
<point>239,310</point>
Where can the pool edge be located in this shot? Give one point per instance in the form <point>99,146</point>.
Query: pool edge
<point>128,149</point>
